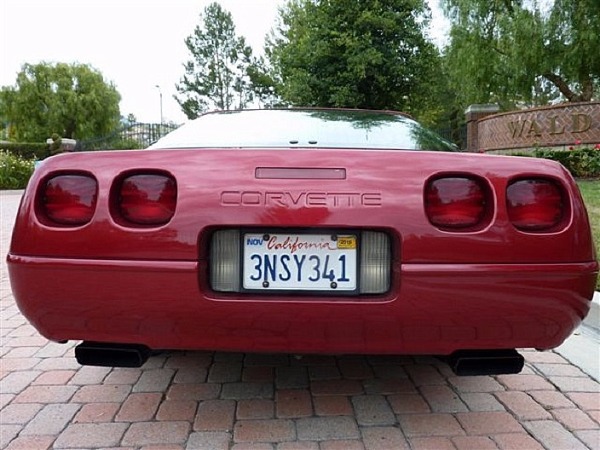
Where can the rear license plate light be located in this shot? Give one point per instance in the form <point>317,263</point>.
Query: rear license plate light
<point>308,263</point>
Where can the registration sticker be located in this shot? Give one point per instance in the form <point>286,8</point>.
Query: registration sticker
<point>346,242</point>
<point>306,262</point>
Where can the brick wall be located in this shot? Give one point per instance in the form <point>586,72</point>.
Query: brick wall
<point>474,114</point>
<point>554,126</point>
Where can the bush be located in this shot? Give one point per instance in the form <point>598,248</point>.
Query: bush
<point>115,143</point>
<point>582,162</point>
<point>125,144</point>
<point>15,170</point>
<point>27,150</point>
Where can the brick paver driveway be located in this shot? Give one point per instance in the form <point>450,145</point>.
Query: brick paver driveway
<point>205,400</point>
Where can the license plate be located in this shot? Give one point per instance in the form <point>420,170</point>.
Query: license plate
<point>307,262</point>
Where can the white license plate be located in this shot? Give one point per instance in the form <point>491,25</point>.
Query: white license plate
<point>307,262</point>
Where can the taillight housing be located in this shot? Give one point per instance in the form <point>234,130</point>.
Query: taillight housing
<point>457,203</point>
<point>68,199</point>
<point>147,199</point>
<point>535,204</point>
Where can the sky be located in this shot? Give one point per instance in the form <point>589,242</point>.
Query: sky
<point>136,44</point>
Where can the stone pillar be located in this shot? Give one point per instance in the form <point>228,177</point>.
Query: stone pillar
<point>473,114</point>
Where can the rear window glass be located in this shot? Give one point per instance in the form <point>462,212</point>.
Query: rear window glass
<point>268,128</point>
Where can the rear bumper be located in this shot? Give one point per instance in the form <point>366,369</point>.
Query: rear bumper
<point>432,308</point>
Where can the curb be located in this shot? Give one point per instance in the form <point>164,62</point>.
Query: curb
<point>11,192</point>
<point>592,320</point>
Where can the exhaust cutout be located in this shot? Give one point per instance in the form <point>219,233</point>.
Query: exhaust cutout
<point>485,362</point>
<point>111,355</point>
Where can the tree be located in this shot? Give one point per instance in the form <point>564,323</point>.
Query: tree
<point>573,36</point>
<point>216,76</point>
<point>359,54</point>
<point>516,52</point>
<point>71,100</point>
<point>263,84</point>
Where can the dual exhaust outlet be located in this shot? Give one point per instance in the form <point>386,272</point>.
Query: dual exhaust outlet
<point>462,362</point>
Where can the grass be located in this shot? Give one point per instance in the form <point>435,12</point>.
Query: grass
<point>590,190</point>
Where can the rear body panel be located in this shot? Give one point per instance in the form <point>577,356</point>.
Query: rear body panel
<point>494,287</point>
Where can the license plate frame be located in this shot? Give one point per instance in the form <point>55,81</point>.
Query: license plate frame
<point>331,250</point>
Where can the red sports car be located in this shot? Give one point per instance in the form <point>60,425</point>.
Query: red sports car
<point>303,231</point>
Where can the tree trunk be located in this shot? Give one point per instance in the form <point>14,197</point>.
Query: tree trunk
<point>564,88</point>
<point>587,90</point>
<point>70,130</point>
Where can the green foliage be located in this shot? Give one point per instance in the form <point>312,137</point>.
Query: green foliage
<point>590,191</point>
<point>263,84</point>
<point>582,162</point>
<point>26,150</point>
<point>125,144</point>
<point>357,54</point>
<point>523,53</point>
<point>15,170</point>
<point>55,146</point>
<point>573,35</point>
<point>115,142</point>
<point>72,100</point>
<point>217,74</point>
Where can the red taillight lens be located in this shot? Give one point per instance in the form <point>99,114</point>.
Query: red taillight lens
<point>147,199</point>
<point>70,199</point>
<point>455,202</point>
<point>534,204</point>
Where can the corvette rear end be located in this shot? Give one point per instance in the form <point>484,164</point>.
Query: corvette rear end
<point>303,249</point>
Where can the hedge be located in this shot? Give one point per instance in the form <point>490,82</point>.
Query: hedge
<point>581,162</point>
<point>27,150</point>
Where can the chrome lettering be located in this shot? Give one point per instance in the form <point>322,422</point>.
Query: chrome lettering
<point>314,199</point>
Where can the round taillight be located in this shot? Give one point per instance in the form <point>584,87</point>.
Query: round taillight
<point>455,202</point>
<point>69,199</point>
<point>534,204</point>
<point>147,199</point>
